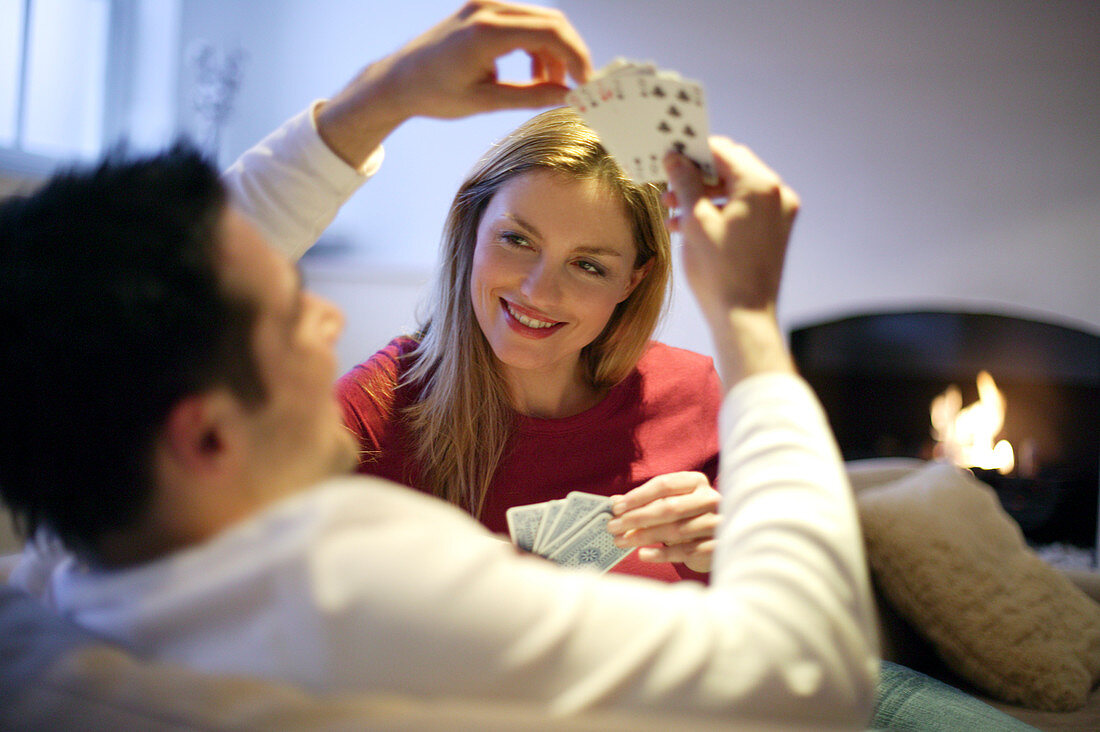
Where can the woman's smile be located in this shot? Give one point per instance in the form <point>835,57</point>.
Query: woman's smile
<point>528,322</point>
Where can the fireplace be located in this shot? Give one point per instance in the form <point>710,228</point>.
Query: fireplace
<point>878,374</point>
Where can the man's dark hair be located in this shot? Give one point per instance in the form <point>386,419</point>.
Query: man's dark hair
<point>112,310</point>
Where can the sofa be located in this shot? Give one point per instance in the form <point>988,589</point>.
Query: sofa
<point>953,619</point>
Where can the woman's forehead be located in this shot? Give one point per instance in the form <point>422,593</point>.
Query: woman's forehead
<point>549,197</point>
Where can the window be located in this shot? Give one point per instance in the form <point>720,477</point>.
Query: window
<point>70,79</point>
<point>53,91</point>
<point>11,63</point>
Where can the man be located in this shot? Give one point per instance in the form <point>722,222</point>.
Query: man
<point>167,413</point>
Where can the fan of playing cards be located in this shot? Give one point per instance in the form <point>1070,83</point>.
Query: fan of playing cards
<point>641,112</point>
<point>571,531</point>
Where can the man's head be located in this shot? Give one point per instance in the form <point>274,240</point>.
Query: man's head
<point>138,346</point>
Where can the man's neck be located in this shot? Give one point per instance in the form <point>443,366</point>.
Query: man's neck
<point>121,549</point>
<point>180,517</point>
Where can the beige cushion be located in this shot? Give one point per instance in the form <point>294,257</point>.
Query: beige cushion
<point>954,564</point>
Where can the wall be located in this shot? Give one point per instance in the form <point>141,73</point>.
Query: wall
<point>946,153</point>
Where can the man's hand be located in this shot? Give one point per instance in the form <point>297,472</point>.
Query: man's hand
<point>673,516</point>
<point>450,71</point>
<point>734,243</point>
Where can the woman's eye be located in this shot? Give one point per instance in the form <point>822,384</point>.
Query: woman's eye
<point>516,240</point>
<point>591,268</point>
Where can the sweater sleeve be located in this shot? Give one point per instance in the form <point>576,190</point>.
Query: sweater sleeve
<point>291,184</point>
<point>785,631</point>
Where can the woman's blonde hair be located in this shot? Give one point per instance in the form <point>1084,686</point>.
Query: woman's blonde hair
<point>463,418</point>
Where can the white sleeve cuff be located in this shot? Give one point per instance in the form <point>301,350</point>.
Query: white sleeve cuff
<point>292,185</point>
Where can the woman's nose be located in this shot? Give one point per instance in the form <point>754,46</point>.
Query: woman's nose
<point>542,286</point>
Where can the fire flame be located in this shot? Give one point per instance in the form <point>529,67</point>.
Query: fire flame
<point>965,435</point>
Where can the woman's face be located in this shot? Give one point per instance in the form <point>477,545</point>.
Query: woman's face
<point>554,256</point>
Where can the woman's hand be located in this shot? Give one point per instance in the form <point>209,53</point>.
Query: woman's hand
<point>677,512</point>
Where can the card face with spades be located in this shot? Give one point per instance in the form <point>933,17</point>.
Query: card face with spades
<point>641,112</point>
<point>571,531</point>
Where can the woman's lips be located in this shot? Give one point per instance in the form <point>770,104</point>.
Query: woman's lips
<point>528,322</point>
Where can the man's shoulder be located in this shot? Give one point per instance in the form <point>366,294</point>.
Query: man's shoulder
<point>353,499</point>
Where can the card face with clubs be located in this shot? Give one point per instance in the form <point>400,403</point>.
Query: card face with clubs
<point>641,112</point>
<point>571,531</point>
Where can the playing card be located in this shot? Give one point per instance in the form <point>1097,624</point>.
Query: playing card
<point>523,524</point>
<point>682,122</point>
<point>590,548</point>
<point>571,531</point>
<point>553,508</point>
<point>641,112</point>
<point>613,112</point>
<point>579,508</point>
<point>625,67</point>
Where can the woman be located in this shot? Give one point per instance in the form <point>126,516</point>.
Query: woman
<point>533,374</point>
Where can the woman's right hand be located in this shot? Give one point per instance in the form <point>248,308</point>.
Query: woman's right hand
<point>672,517</point>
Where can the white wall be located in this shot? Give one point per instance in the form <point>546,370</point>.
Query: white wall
<point>946,153</point>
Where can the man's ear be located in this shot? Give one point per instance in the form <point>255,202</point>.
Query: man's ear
<point>203,433</point>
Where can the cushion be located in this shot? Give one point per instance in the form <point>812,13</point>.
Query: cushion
<point>953,564</point>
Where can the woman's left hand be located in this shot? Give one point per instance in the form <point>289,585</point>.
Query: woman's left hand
<point>673,518</point>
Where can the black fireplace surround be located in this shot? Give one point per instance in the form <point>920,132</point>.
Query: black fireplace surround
<point>877,374</point>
